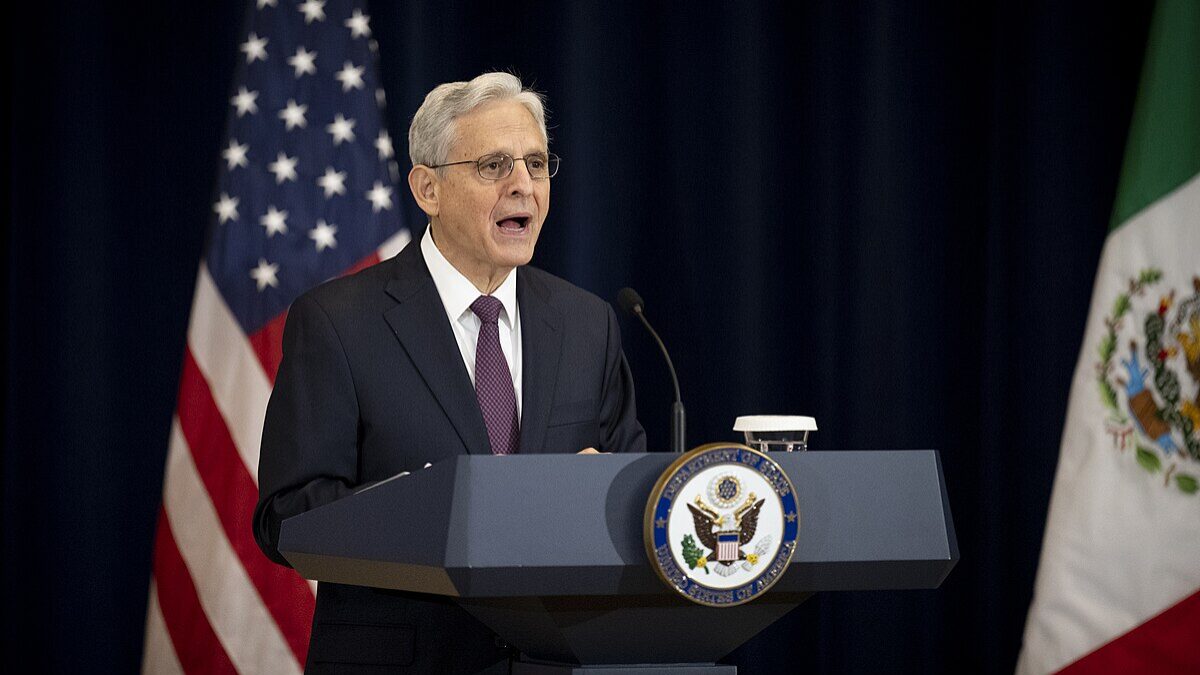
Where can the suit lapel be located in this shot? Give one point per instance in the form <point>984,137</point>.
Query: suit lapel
<point>541,346</point>
<point>419,322</point>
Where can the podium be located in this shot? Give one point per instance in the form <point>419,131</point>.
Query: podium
<point>548,550</point>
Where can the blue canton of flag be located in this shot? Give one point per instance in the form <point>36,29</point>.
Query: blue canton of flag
<point>307,188</point>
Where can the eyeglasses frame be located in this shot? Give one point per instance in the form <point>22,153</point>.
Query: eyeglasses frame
<point>550,158</point>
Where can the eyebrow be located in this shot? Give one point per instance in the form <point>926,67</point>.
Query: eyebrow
<point>506,152</point>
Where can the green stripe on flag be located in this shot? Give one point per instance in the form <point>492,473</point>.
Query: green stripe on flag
<point>1164,136</point>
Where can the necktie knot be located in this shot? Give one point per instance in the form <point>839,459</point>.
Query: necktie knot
<point>487,308</point>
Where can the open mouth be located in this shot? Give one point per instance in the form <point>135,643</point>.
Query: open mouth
<point>514,224</point>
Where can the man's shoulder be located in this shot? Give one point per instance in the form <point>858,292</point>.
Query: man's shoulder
<point>372,289</point>
<point>364,290</point>
<point>560,293</point>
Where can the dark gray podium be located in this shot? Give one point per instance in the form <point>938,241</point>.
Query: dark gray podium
<point>548,550</point>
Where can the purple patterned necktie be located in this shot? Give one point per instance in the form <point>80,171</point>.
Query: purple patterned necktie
<point>493,381</point>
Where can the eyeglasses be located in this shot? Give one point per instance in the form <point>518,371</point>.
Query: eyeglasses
<point>495,167</point>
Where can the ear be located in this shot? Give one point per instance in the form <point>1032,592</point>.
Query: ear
<point>423,182</point>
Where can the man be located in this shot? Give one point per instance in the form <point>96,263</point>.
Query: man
<point>451,347</point>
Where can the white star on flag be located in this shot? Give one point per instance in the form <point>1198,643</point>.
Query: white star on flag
<point>255,48</point>
<point>244,101</point>
<point>333,182</point>
<point>380,197</point>
<point>275,221</point>
<point>313,10</point>
<point>350,77</point>
<point>384,145</point>
<point>341,129</point>
<point>359,24</point>
<point>283,167</point>
<point>226,208</point>
<point>380,97</point>
<point>264,274</point>
<point>304,62</point>
<point>293,115</point>
<point>322,235</point>
<point>265,3</point>
<point>235,154</point>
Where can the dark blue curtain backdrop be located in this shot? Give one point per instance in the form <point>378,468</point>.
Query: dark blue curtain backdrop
<point>883,214</point>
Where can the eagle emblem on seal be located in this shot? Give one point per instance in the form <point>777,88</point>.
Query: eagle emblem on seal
<point>724,532</point>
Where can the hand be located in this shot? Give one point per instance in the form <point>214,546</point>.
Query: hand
<point>591,451</point>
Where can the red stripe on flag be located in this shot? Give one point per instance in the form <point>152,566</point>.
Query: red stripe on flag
<point>267,343</point>
<point>1165,644</point>
<point>363,264</point>
<point>196,645</point>
<point>286,596</point>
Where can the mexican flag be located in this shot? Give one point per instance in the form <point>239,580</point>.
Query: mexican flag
<point>1118,586</point>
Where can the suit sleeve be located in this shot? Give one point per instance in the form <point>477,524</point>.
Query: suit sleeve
<point>309,452</point>
<point>620,430</point>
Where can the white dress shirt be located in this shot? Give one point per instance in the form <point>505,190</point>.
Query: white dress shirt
<point>457,293</point>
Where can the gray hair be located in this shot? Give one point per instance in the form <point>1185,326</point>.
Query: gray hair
<point>434,128</point>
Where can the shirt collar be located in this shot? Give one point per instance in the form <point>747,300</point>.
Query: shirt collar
<point>457,292</point>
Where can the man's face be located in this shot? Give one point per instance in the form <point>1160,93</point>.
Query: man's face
<point>485,228</point>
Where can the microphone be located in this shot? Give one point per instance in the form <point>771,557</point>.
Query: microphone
<point>631,303</point>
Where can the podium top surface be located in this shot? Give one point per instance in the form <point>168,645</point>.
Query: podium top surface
<point>538,525</point>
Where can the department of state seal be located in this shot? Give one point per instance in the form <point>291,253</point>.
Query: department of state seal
<point>721,524</point>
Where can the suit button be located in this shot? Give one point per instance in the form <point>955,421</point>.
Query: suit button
<point>500,643</point>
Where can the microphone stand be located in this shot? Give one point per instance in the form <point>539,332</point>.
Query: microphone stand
<point>678,417</point>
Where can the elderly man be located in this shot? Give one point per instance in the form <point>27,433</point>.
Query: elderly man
<point>454,346</point>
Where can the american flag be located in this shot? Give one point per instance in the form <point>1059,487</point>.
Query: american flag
<point>306,192</point>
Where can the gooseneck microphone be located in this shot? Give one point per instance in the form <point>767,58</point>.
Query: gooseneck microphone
<point>630,302</point>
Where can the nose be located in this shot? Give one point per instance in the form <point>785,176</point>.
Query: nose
<point>520,181</point>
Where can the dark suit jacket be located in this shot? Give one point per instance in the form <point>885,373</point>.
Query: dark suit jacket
<point>372,383</point>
